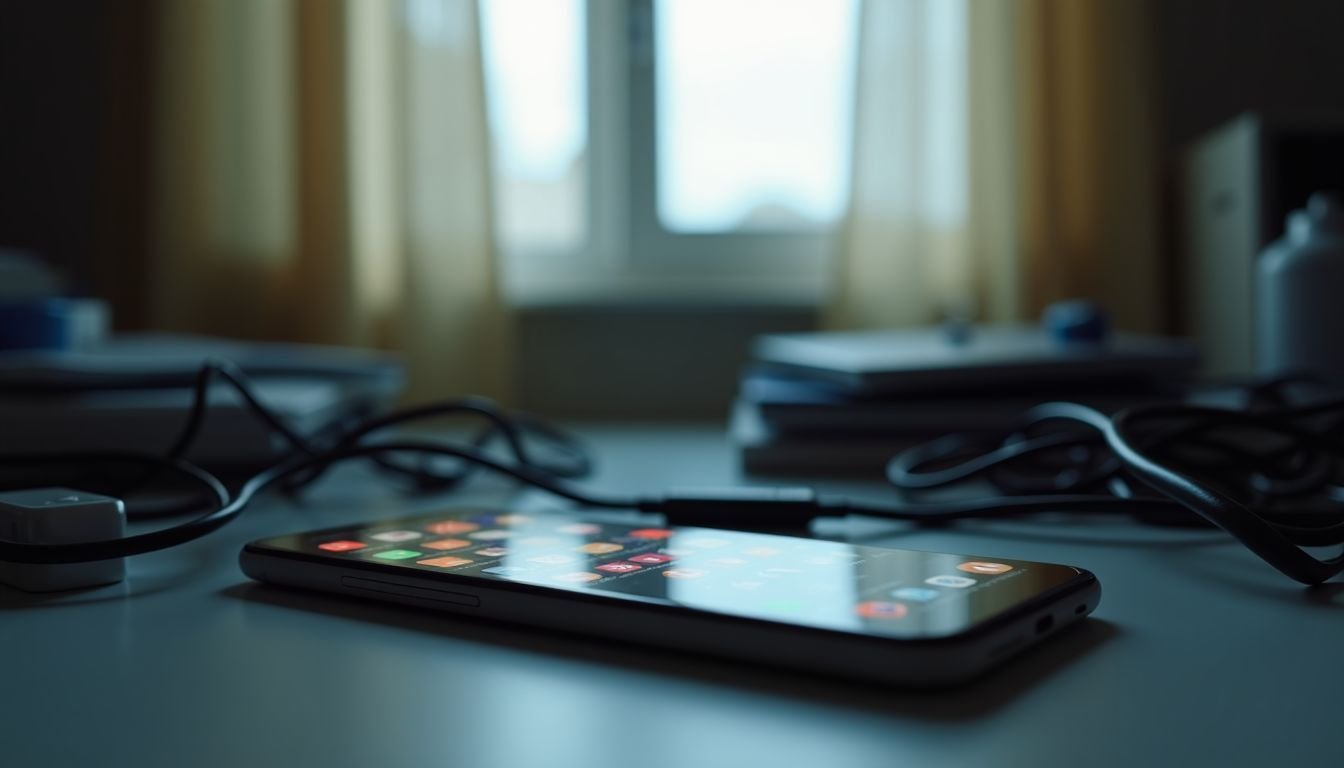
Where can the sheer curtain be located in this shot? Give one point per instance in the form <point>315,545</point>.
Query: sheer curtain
<point>321,176</point>
<point>321,173</point>
<point>1004,158</point>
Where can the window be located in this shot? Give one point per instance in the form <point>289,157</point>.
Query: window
<point>669,149</point>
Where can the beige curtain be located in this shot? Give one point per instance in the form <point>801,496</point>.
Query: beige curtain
<point>1040,185</point>
<point>321,175</point>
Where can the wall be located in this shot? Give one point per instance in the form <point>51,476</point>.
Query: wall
<point>73,139</point>
<point>1218,58</point>
<point>49,97</point>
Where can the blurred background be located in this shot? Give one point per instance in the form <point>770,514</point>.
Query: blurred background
<point>591,208</point>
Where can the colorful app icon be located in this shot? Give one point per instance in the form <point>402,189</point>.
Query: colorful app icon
<point>650,533</point>
<point>577,577</point>
<point>580,529</point>
<point>957,582</point>
<point>396,536</point>
<point>398,554</point>
<point>915,594</point>
<point>341,546</point>
<point>512,520</point>
<point>507,570</point>
<point>553,559</point>
<point>492,551</point>
<point>451,526</point>
<point>651,558</point>
<point>491,535</point>
<point>446,561</point>
<point>601,548</point>
<point>762,551</point>
<point>683,573</point>
<point>879,609</point>
<point>982,567</point>
<point>444,544</point>
<point>620,566</point>
<point>729,562</point>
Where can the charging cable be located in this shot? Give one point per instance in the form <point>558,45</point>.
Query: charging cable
<point>1266,474</point>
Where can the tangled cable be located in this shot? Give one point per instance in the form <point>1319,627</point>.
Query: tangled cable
<point>309,457</point>
<point>1268,474</point>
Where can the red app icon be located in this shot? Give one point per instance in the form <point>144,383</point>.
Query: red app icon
<point>651,558</point>
<point>620,566</point>
<point>879,609</point>
<point>342,546</point>
<point>650,533</point>
<point>451,526</point>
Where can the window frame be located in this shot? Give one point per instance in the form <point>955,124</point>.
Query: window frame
<point>628,256</point>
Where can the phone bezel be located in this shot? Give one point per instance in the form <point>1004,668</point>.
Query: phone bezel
<point>926,660</point>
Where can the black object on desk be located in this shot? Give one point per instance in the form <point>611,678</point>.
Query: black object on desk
<point>847,401</point>
<point>135,390</point>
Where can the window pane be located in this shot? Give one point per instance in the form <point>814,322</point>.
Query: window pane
<point>536,91</point>
<point>754,113</point>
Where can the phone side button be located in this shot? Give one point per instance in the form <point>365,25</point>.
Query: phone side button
<point>422,593</point>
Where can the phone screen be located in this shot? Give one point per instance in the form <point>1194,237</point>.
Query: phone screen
<point>826,584</point>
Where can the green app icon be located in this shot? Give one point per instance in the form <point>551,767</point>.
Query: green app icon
<point>398,554</point>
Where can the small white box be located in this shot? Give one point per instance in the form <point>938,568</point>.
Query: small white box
<point>60,516</point>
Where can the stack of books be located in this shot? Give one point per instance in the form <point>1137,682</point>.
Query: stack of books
<point>826,403</point>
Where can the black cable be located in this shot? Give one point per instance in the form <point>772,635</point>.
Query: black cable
<point>1271,536</point>
<point>230,507</point>
<point>221,513</point>
<point>1266,474</point>
<point>307,461</point>
<point>514,429</point>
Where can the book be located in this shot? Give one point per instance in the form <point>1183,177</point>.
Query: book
<point>766,451</point>
<point>792,404</point>
<point>988,359</point>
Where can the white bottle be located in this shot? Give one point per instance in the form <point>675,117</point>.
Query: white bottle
<point>1300,295</point>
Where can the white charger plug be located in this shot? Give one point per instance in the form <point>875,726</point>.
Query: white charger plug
<point>60,516</point>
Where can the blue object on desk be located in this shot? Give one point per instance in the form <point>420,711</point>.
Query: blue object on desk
<point>1076,321</point>
<point>45,323</point>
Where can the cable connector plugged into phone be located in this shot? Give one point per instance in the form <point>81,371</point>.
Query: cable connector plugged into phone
<point>745,508</point>
<point>60,516</point>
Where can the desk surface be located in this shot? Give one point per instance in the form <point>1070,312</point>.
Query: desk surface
<point>1199,654</point>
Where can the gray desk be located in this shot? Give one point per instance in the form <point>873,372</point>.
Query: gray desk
<point>1199,655</point>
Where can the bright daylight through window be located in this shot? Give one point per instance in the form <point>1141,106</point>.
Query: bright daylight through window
<point>646,145</point>
<point>754,113</point>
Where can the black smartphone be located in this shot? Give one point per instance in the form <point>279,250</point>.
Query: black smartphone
<point>867,613</point>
